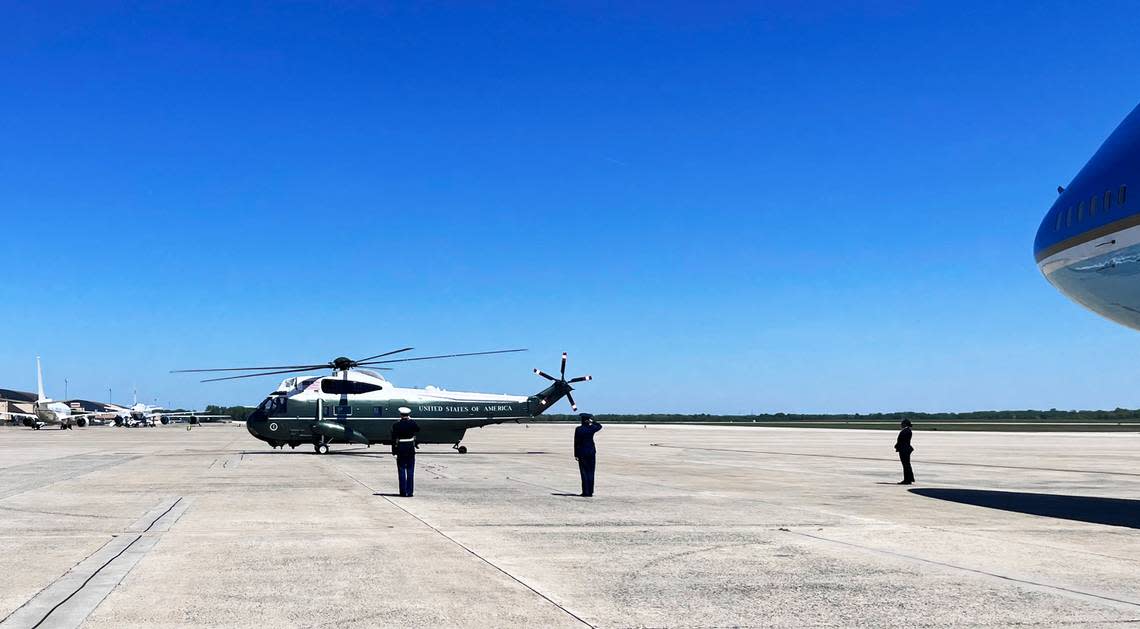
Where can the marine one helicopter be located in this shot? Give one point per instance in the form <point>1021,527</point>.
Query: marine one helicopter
<point>355,404</point>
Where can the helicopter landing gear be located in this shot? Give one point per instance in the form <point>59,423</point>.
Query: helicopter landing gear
<point>321,447</point>
<point>460,449</point>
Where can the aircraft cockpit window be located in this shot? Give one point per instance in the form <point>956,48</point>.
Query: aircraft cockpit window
<point>1120,197</point>
<point>273,405</point>
<point>348,387</point>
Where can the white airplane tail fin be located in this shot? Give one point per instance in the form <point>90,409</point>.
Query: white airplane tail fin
<point>39,382</point>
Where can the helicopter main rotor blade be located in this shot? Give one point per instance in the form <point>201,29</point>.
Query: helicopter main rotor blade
<point>396,351</point>
<point>268,373</point>
<point>580,379</point>
<point>408,360</point>
<point>546,375</point>
<point>563,365</point>
<point>302,367</point>
<point>569,397</point>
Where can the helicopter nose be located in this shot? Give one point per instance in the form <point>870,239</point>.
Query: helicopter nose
<point>255,421</point>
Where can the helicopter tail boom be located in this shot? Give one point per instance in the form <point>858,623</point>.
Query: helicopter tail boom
<point>540,402</point>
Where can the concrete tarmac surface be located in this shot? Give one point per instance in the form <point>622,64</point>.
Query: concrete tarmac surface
<point>690,527</point>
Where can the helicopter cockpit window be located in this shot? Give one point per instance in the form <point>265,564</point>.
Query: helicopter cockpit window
<point>348,387</point>
<point>273,405</point>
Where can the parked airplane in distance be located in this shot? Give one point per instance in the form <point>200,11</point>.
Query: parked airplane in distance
<point>1088,245</point>
<point>147,415</point>
<point>49,412</point>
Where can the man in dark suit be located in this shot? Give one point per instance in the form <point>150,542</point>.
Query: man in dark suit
<point>903,447</point>
<point>585,451</point>
<point>404,449</point>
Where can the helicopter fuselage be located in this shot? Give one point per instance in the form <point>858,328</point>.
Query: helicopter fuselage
<point>357,406</point>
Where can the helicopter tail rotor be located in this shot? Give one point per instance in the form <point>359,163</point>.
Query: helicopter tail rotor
<point>559,389</point>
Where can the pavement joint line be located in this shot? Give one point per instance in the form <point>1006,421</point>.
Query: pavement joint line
<point>148,519</point>
<point>923,462</point>
<point>52,481</point>
<point>156,520</point>
<point>887,522</point>
<point>138,535</point>
<point>86,581</point>
<point>874,521</point>
<point>472,552</point>
<point>864,520</point>
<point>1033,544</point>
<point>1044,586</point>
<point>526,482</point>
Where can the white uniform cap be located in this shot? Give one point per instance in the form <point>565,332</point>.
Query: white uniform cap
<point>404,410</point>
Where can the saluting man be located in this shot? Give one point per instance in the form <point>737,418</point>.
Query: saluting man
<point>404,449</point>
<point>903,447</point>
<point>586,452</point>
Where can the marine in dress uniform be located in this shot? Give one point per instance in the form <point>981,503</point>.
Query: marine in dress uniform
<point>586,452</point>
<point>404,449</point>
<point>903,447</point>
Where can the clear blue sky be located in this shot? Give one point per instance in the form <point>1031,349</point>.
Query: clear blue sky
<point>720,208</point>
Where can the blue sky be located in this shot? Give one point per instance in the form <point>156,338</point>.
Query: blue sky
<point>719,208</point>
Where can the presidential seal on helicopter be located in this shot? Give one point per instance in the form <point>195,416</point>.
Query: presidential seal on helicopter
<point>355,404</point>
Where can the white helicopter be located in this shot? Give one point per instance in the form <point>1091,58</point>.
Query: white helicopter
<point>357,405</point>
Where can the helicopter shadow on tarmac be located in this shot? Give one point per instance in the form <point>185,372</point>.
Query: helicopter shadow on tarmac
<point>384,453</point>
<point>1091,509</point>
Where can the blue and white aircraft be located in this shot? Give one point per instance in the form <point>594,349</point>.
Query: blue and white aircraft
<point>1088,245</point>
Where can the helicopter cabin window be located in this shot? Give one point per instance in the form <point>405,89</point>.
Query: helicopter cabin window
<point>348,387</point>
<point>1107,200</point>
<point>1092,205</point>
<point>1081,211</point>
<point>378,411</point>
<point>1060,215</point>
<point>1069,217</point>
<point>1123,194</point>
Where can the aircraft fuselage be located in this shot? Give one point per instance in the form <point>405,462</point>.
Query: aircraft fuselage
<point>361,408</point>
<point>1088,245</point>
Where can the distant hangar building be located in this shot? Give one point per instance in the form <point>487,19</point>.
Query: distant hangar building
<point>12,401</point>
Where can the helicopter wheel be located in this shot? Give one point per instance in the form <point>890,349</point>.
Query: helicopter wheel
<point>321,448</point>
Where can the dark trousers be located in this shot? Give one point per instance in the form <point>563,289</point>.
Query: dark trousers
<point>406,470</point>
<point>908,474</point>
<point>586,469</point>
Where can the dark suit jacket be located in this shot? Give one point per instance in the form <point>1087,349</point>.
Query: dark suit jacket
<point>404,430</point>
<point>584,439</point>
<point>903,442</point>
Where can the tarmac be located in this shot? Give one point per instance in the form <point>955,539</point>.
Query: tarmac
<point>690,527</point>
